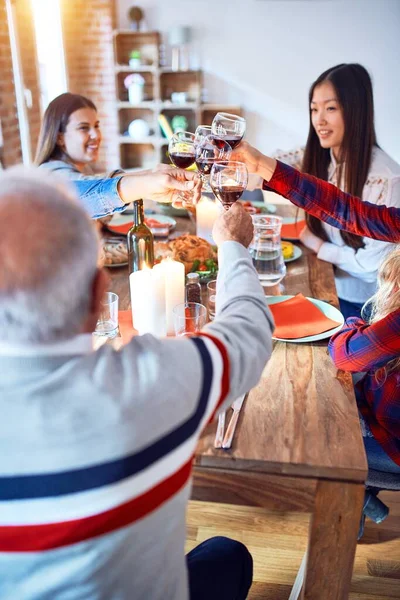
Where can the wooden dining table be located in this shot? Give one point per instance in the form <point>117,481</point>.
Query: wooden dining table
<point>298,444</point>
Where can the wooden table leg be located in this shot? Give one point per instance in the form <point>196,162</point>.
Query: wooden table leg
<point>332,540</point>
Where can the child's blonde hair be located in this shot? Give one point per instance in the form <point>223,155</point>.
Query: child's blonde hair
<point>386,300</point>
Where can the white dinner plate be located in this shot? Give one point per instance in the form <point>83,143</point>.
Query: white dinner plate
<point>265,208</point>
<point>329,311</point>
<point>116,265</point>
<point>297,252</point>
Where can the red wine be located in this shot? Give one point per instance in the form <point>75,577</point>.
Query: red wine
<point>228,194</point>
<point>232,140</point>
<point>182,159</point>
<point>204,165</point>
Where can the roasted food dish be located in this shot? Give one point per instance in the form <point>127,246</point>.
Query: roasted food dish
<point>194,252</point>
<point>114,253</point>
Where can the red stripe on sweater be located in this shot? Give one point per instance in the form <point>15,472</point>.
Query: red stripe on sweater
<point>225,370</point>
<point>36,538</point>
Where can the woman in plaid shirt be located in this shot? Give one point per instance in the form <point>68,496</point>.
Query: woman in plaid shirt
<point>373,347</point>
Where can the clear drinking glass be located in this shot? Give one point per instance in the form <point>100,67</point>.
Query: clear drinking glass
<point>107,323</point>
<point>266,250</point>
<point>210,150</point>
<point>230,128</point>
<point>228,180</point>
<point>189,318</point>
<point>202,131</point>
<point>211,298</point>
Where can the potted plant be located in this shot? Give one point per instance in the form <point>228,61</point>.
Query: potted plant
<point>135,59</point>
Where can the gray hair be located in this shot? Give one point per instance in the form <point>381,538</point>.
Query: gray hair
<point>48,251</point>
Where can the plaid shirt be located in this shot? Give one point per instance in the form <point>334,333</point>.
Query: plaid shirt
<point>361,347</point>
<point>358,346</point>
<point>328,203</point>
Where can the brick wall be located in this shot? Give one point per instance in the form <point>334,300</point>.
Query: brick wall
<point>30,75</point>
<point>88,45</point>
<point>12,153</point>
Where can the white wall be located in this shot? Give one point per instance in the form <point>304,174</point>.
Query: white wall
<point>264,54</point>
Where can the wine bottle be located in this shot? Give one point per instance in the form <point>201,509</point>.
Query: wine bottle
<point>140,241</point>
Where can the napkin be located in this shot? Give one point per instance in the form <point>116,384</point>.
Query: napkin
<point>292,230</point>
<point>125,326</point>
<point>299,317</point>
<point>156,227</point>
<point>124,228</point>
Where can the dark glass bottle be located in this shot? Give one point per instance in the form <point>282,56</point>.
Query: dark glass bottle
<point>140,241</point>
<point>193,288</point>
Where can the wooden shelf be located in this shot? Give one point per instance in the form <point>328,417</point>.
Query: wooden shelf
<point>150,139</point>
<point>175,106</point>
<point>160,84</point>
<point>145,104</point>
<point>180,71</point>
<point>147,43</point>
<point>129,69</point>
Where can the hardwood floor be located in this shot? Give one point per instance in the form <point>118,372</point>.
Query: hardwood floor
<point>277,541</point>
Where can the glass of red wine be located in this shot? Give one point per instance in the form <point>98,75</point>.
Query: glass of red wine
<point>181,149</point>
<point>228,181</point>
<point>230,128</point>
<point>182,153</point>
<point>210,150</point>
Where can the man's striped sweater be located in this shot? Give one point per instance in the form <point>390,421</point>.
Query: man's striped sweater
<point>96,449</point>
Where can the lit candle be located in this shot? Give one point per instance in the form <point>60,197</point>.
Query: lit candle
<point>148,302</point>
<point>174,278</point>
<point>206,213</point>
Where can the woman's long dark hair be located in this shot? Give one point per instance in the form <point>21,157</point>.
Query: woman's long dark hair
<point>353,88</point>
<point>55,121</point>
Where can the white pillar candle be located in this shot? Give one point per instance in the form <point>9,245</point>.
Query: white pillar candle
<point>174,277</point>
<point>148,302</point>
<point>206,213</point>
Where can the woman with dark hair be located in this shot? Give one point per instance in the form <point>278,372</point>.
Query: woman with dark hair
<point>341,148</point>
<point>70,138</point>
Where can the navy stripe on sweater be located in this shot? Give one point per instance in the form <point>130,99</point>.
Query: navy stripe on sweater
<point>78,480</point>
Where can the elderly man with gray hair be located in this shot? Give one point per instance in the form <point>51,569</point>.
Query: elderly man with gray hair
<point>96,447</point>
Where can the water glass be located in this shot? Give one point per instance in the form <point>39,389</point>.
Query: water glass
<point>211,298</point>
<point>189,318</point>
<point>266,250</point>
<point>107,323</point>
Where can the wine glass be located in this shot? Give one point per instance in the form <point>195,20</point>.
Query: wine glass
<point>181,150</point>
<point>228,181</point>
<point>201,132</point>
<point>210,150</point>
<point>230,128</point>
